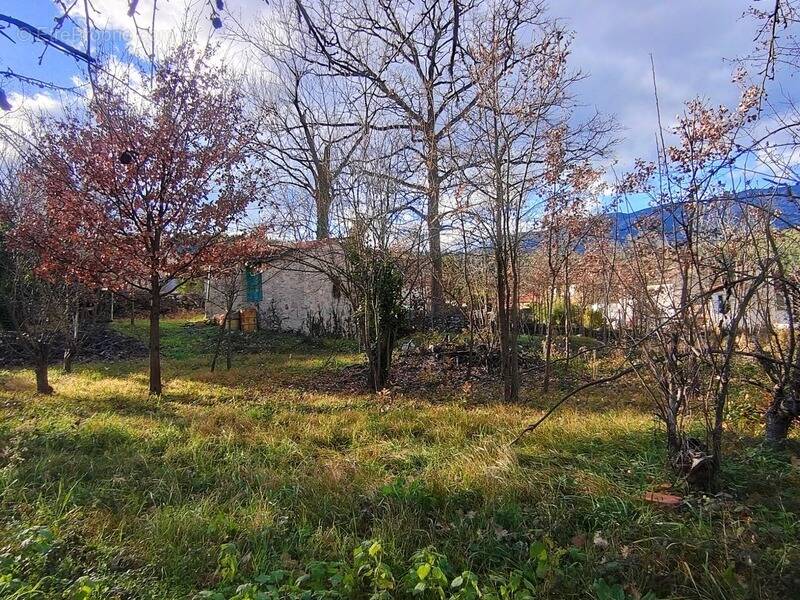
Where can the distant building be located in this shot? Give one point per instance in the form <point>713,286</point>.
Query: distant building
<point>292,288</point>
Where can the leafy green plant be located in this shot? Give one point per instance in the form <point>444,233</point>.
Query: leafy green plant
<point>412,492</point>
<point>427,576</point>
<point>320,581</point>
<point>604,591</point>
<point>371,573</point>
<point>27,571</point>
<point>20,565</point>
<point>516,586</point>
<point>36,540</point>
<point>542,560</point>
<point>249,591</point>
<point>228,562</point>
<point>593,318</point>
<point>466,587</point>
<point>321,576</point>
<point>246,591</point>
<point>85,588</point>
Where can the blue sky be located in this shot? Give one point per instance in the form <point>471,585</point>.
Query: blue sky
<point>692,43</point>
<point>23,56</point>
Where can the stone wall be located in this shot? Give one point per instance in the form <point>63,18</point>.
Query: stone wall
<point>295,297</point>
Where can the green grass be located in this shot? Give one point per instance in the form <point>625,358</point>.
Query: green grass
<point>577,343</point>
<point>140,494</point>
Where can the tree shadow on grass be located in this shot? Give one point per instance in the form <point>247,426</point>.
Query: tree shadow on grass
<point>175,495</point>
<point>188,381</point>
<point>126,406</point>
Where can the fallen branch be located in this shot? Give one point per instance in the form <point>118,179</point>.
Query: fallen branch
<point>566,397</point>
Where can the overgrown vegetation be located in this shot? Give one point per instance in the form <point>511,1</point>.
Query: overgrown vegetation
<point>251,483</point>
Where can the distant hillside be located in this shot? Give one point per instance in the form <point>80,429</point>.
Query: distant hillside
<point>783,201</point>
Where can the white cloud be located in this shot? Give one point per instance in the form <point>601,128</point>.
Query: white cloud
<point>176,21</point>
<point>692,44</point>
<point>112,15</point>
<point>689,41</point>
<point>36,102</point>
<point>16,123</point>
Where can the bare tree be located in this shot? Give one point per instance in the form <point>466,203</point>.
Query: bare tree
<point>524,102</point>
<point>566,224</point>
<point>375,261</point>
<point>80,304</point>
<point>226,286</point>
<point>414,55</point>
<point>693,279</point>
<point>776,42</point>
<point>773,317</point>
<point>468,281</point>
<point>775,147</point>
<point>314,119</point>
<point>226,283</point>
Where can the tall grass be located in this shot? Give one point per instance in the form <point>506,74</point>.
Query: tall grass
<point>142,492</point>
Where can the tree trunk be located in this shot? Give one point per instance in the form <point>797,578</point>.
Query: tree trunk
<point>69,357</point>
<point>434,227</point>
<point>323,200</point>
<point>778,425</point>
<point>471,307</point>
<point>674,438</point>
<point>323,219</point>
<point>379,349</point>
<point>548,341</point>
<point>778,420</point>
<point>41,369</point>
<point>471,356</point>
<point>380,361</point>
<point>71,344</point>
<point>509,367</point>
<point>155,336</point>
<point>513,338</point>
<point>222,336</point>
<point>567,315</point>
<point>227,351</point>
<point>504,334</point>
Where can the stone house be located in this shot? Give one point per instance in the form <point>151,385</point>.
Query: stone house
<point>291,288</point>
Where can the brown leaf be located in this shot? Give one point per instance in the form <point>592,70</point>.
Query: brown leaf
<point>579,540</point>
<point>669,500</point>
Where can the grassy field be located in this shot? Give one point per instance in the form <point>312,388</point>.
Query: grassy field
<point>261,482</point>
